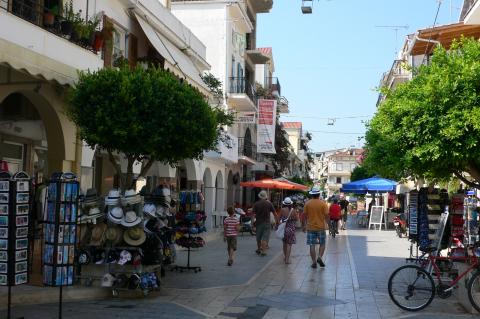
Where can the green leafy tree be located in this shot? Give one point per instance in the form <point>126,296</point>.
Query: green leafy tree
<point>430,127</point>
<point>146,115</point>
<point>359,173</point>
<point>281,159</point>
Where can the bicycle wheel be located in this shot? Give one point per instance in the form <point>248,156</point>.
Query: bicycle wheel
<point>411,288</point>
<point>473,288</point>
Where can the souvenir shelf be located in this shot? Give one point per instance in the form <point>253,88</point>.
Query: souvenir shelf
<point>15,205</point>
<point>60,229</point>
<point>192,223</point>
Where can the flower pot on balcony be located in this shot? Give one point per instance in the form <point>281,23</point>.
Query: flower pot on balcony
<point>48,19</point>
<point>66,27</point>
<point>97,41</point>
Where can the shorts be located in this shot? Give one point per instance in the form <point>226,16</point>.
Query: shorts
<point>232,243</point>
<point>263,232</point>
<point>316,237</point>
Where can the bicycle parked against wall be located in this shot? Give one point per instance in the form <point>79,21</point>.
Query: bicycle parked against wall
<point>413,287</point>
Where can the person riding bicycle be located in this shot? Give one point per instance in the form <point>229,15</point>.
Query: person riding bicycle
<point>335,213</point>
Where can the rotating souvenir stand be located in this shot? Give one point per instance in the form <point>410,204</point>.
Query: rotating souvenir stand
<point>15,205</point>
<point>189,201</point>
<point>470,219</point>
<point>59,235</point>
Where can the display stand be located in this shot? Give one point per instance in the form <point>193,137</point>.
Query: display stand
<point>15,206</point>
<point>188,267</point>
<point>60,229</point>
<point>376,217</point>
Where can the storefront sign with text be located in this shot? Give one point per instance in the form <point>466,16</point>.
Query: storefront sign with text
<point>267,113</point>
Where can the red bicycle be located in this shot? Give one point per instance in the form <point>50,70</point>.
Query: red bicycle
<point>413,287</point>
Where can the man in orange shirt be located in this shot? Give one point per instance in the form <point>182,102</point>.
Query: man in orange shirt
<point>315,224</point>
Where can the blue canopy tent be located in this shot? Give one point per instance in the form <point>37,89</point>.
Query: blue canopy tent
<point>368,185</point>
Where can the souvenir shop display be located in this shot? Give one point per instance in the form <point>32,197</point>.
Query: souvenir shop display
<point>413,215</point>
<point>60,232</point>
<point>470,217</point>
<point>189,224</point>
<point>15,207</point>
<point>124,248</point>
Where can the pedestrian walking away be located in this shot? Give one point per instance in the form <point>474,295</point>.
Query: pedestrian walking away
<point>231,226</point>
<point>262,209</point>
<point>344,205</point>
<point>315,224</point>
<point>288,216</point>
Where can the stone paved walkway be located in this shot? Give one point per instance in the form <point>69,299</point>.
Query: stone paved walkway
<point>353,285</point>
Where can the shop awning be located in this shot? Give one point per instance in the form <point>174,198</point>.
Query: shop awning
<point>35,64</point>
<point>425,39</point>
<point>182,65</point>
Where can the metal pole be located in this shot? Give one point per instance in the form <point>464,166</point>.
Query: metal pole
<point>60,302</point>
<point>9,312</point>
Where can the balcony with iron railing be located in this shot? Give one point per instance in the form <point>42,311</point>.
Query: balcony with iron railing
<point>242,94</point>
<point>247,150</point>
<point>76,29</point>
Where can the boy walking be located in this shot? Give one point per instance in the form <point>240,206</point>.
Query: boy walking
<point>231,226</point>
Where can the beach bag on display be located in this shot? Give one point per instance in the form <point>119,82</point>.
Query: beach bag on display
<point>280,232</point>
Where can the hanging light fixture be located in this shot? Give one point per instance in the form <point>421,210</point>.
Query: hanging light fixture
<point>307,6</point>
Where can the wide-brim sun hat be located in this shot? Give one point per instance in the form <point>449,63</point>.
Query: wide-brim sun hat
<point>113,198</point>
<point>113,235</point>
<point>287,201</point>
<point>115,215</point>
<point>98,234</point>
<point>263,195</point>
<point>130,219</point>
<point>91,197</point>
<point>150,209</point>
<point>134,236</point>
<point>130,198</point>
<point>315,191</point>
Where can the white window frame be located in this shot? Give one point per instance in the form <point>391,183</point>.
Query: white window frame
<point>339,167</point>
<point>121,45</point>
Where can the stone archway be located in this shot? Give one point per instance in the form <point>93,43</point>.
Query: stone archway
<point>27,114</point>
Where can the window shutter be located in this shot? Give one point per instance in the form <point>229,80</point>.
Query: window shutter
<point>108,44</point>
<point>132,50</point>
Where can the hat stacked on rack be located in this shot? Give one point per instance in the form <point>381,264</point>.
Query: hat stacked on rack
<point>90,206</point>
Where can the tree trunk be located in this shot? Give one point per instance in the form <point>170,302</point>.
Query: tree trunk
<point>146,167</point>
<point>466,181</point>
<point>118,169</point>
<point>129,177</point>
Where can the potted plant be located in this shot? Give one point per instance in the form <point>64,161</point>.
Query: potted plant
<point>68,19</point>
<point>101,37</point>
<point>91,30</point>
<point>49,16</point>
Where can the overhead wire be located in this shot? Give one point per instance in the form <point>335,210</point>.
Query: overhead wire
<point>433,26</point>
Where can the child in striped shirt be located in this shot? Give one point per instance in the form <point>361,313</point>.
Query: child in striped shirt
<point>231,226</point>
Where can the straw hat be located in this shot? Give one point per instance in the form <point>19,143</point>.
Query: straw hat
<point>130,219</point>
<point>130,198</point>
<point>113,198</point>
<point>97,234</point>
<point>287,201</point>
<point>113,235</point>
<point>134,236</point>
<point>115,215</point>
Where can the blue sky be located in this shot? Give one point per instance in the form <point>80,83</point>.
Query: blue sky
<point>330,62</point>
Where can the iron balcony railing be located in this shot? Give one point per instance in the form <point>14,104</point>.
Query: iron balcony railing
<point>240,85</point>
<point>46,18</point>
<point>273,86</point>
<point>247,148</point>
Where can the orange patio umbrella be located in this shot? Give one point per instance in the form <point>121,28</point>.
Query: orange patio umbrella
<point>273,184</point>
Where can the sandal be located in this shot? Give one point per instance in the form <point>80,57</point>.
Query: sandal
<point>314,265</point>
<point>258,251</point>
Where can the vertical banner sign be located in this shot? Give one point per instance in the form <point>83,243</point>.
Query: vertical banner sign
<point>267,113</point>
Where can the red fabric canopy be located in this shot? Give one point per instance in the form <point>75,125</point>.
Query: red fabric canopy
<point>274,184</point>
